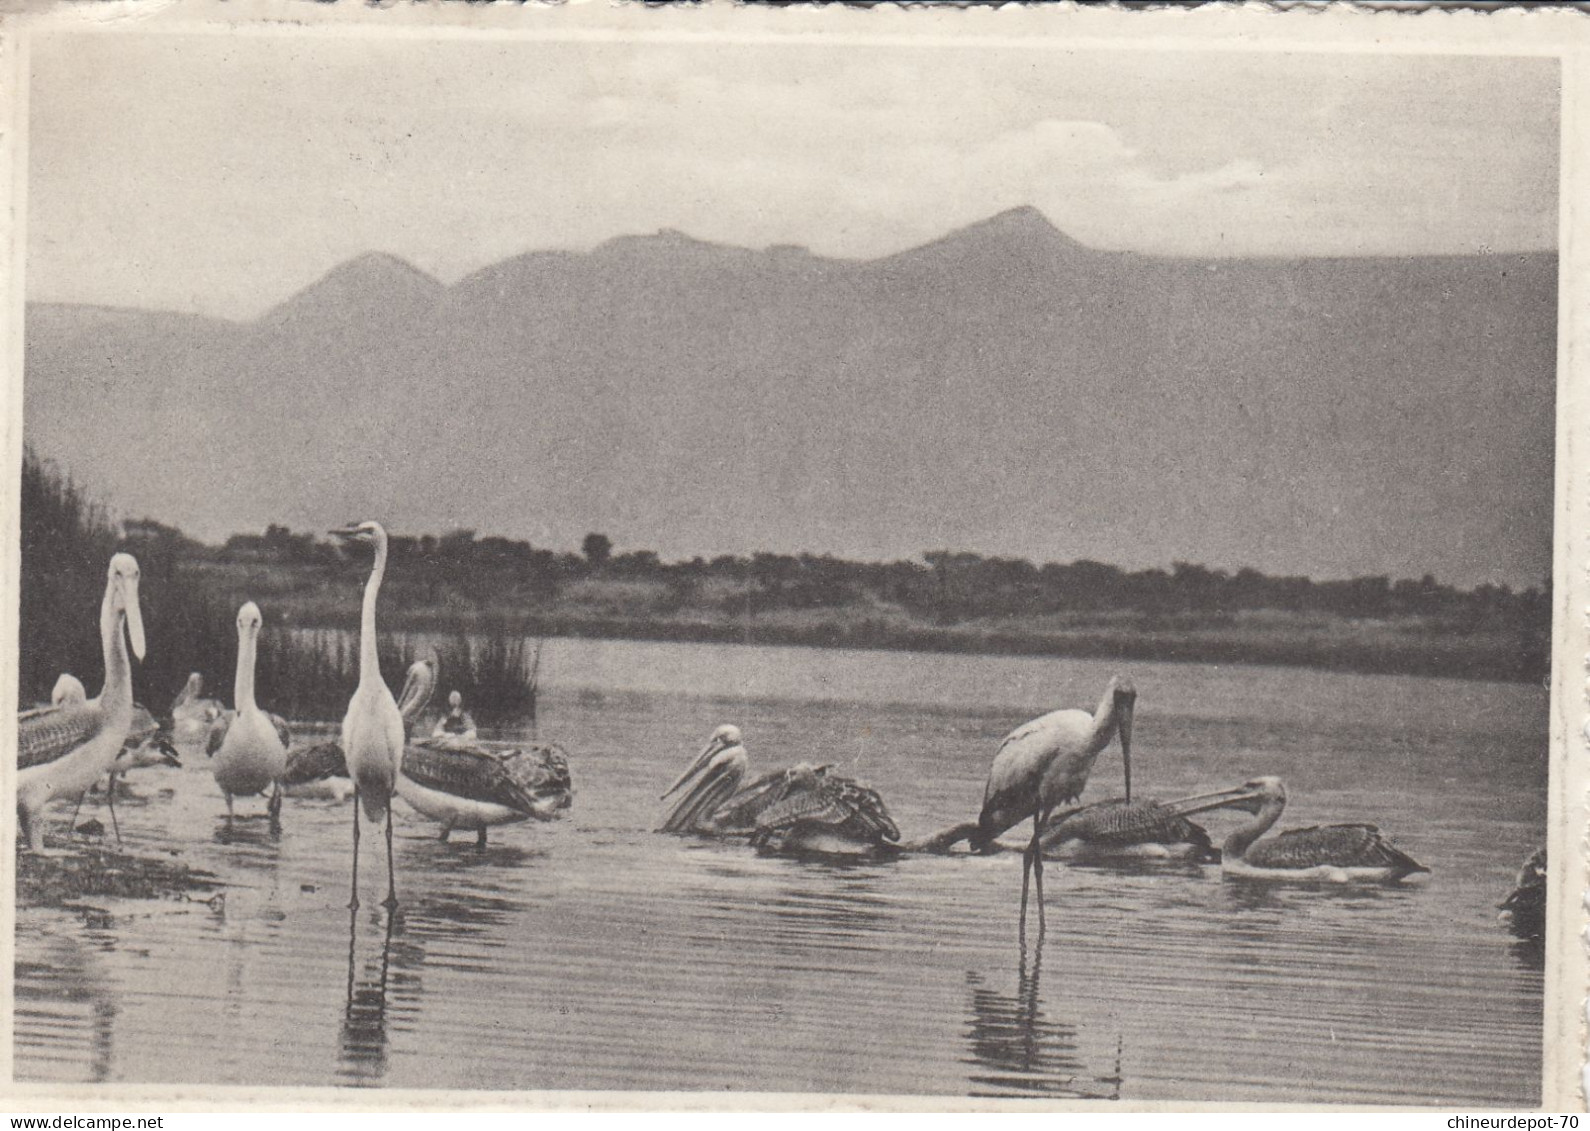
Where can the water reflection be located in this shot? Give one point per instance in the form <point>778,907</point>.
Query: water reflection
<point>363,1058</point>
<point>64,998</point>
<point>1017,1050</point>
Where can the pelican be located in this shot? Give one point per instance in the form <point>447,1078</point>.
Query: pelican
<point>804,809</point>
<point>467,786</point>
<point>457,723</point>
<point>1045,763</point>
<point>1524,909</point>
<point>148,743</point>
<point>814,812</point>
<point>321,771</point>
<point>717,773</point>
<point>372,730</point>
<point>62,751</point>
<point>1144,829</point>
<point>1335,853</point>
<point>248,745</point>
<point>191,715</point>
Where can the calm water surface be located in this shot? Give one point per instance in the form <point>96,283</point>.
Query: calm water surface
<point>592,953</point>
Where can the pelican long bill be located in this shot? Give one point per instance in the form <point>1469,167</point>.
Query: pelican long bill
<point>716,744</point>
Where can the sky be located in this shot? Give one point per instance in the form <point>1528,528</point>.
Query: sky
<point>219,174</point>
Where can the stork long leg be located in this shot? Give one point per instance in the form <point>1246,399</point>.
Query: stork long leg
<point>353,901</point>
<point>72,824</point>
<point>275,807</point>
<point>1026,874</point>
<point>1035,856</point>
<point>391,900</point>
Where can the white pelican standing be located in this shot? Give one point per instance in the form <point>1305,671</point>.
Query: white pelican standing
<point>372,730</point>
<point>1045,763</point>
<point>1334,853</point>
<point>191,715</point>
<point>63,751</point>
<point>248,745</point>
<point>457,723</point>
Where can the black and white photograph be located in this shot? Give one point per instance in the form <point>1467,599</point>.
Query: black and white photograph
<point>825,554</point>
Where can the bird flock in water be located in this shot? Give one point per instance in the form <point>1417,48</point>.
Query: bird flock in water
<point>462,782</point>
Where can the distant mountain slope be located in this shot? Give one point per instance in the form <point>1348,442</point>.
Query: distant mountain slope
<point>1003,389</point>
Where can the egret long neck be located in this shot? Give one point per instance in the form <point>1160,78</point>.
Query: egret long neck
<point>243,688</point>
<point>369,661</point>
<point>1238,843</point>
<point>118,668</point>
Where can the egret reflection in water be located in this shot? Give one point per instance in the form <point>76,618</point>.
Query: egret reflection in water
<point>363,1057</point>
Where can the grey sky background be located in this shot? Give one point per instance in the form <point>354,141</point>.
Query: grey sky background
<point>221,173</point>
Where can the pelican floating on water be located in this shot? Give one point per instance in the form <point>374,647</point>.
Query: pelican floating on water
<point>249,746</point>
<point>805,808</point>
<point>1045,763</point>
<point>191,715</point>
<point>1144,829</point>
<point>372,730</point>
<point>64,750</point>
<point>467,786</point>
<point>812,811</point>
<point>457,723</point>
<point>321,771</point>
<point>1524,909</point>
<point>1335,853</point>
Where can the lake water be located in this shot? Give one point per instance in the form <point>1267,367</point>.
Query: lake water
<point>593,953</point>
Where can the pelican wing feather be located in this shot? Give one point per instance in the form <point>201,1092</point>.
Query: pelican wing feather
<point>320,762</point>
<point>511,780</point>
<point>217,735</point>
<point>54,732</point>
<point>739,813</point>
<point>1340,846</point>
<point>829,799</point>
<point>1117,822</point>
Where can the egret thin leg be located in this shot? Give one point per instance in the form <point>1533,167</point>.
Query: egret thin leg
<point>353,901</point>
<point>111,798</point>
<point>391,876</point>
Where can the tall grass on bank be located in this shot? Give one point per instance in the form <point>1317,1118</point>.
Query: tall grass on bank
<point>67,541</point>
<point>495,669</point>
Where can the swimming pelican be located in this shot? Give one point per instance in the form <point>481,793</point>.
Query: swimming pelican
<point>457,723</point>
<point>805,808</point>
<point>191,715</point>
<point>321,771</point>
<point>1336,853</point>
<point>372,730</point>
<point>718,771</point>
<point>61,752</point>
<point>467,786</point>
<point>815,812</point>
<point>1524,909</point>
<point>1045,763</point>
<point>1144,829</point>
<point>248,745</point>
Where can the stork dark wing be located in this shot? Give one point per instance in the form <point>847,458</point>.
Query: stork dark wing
<point>1339,846</point>
<point>55,732</point>
<point>319,762</point>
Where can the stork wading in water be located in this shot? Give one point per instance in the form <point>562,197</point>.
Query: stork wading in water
<point>192,716</point>
<point>805,809</point>
<point>1330,853</point>
<point>372,730</point>
<point>320,772</point>
<point>457,723</point>
<point>65,749</point>
<point>1045,763</point>
<point>249,746</point>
